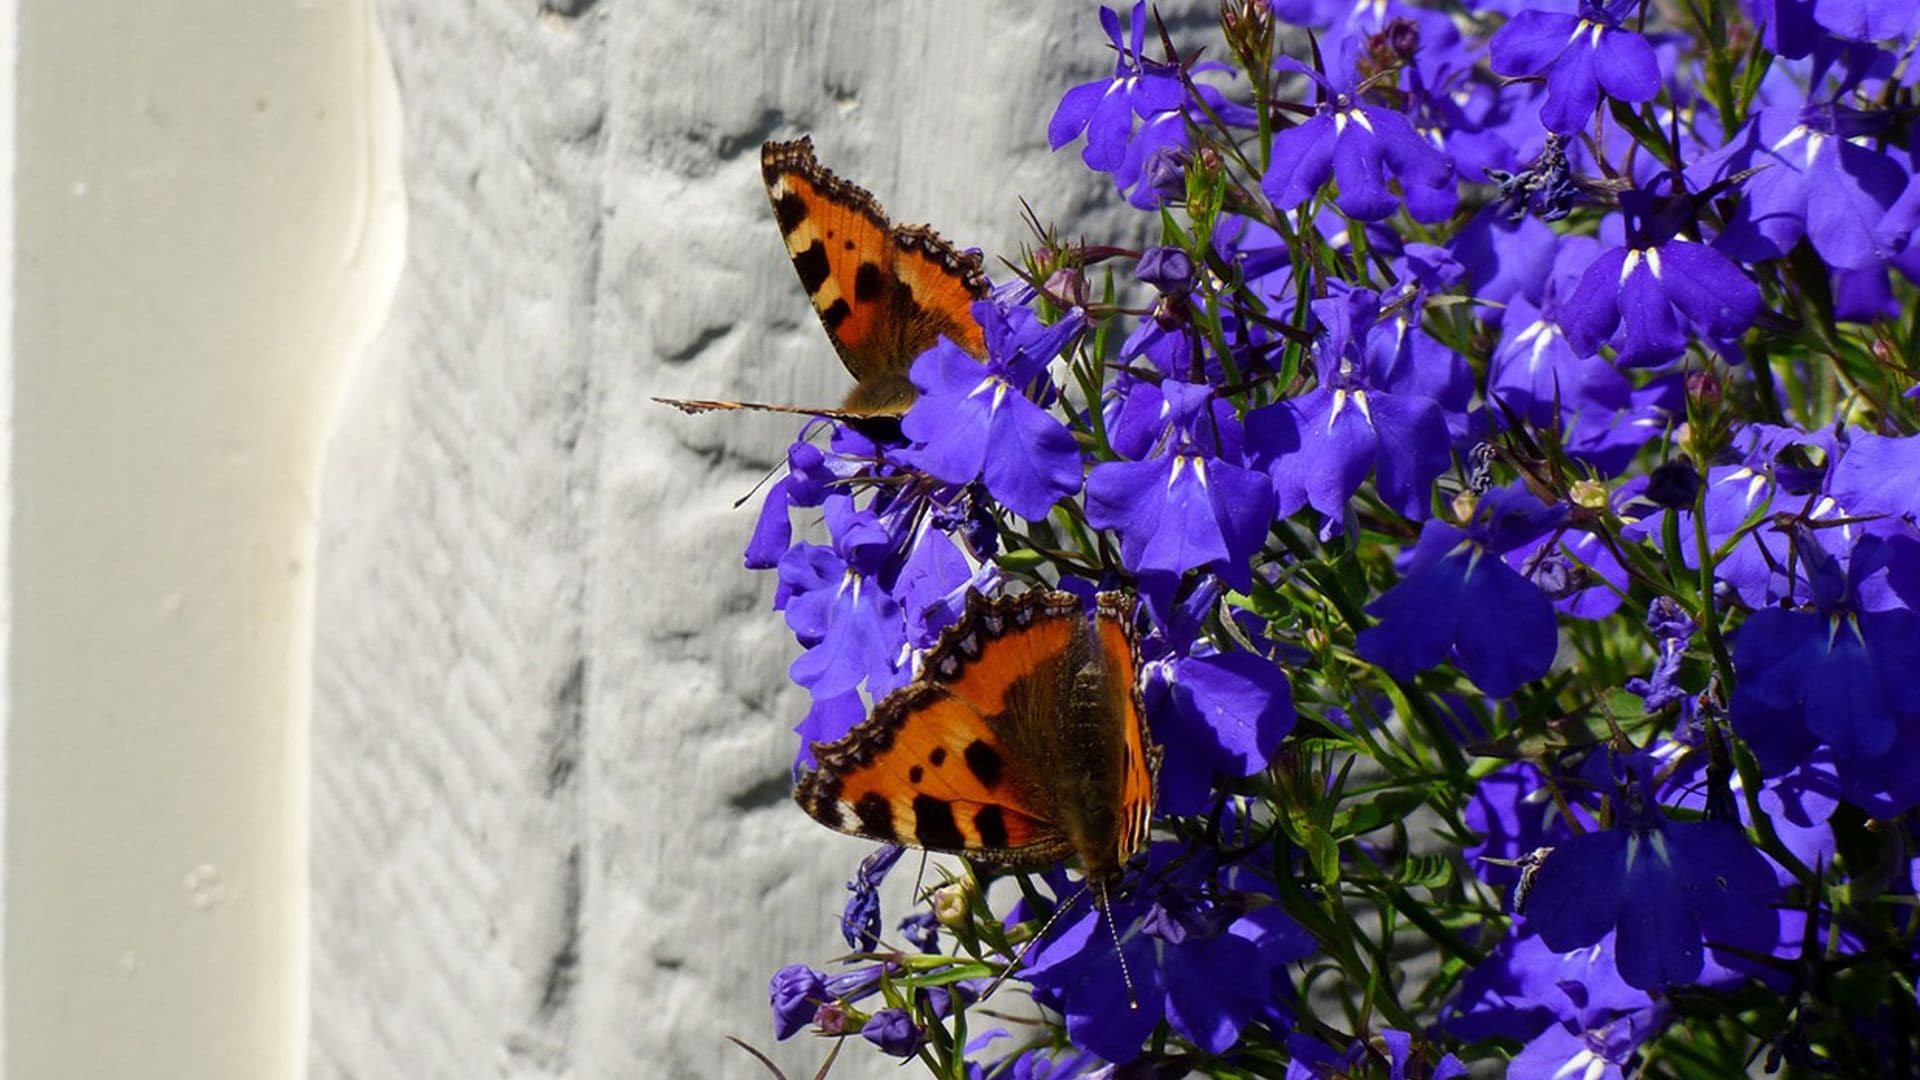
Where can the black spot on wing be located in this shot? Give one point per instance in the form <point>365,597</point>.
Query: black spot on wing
<point>835,314</point>
<point>789,210</point>
<point>938,757</point>
<point>991,824</point>
<point>933,823</point>
<point>985,764</point>
<point>868,282</point>
<point>876,816</point>
<point>915,774</point>
<point>813,267</point>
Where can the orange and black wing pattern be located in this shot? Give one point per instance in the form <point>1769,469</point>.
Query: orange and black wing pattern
<point>885,293</point>
<point>998,750</point>
<point>1126,710</point>
<point>933,765</point>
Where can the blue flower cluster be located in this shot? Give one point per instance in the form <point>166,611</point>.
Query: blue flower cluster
<point>1513,439</point>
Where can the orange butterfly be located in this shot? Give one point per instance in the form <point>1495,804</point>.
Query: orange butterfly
<point>1023,741</point>
<point>885,293</point>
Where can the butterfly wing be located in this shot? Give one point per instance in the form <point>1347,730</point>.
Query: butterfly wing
<point>883,293</point>
<point>1139,766</point>
<point>949,762</point>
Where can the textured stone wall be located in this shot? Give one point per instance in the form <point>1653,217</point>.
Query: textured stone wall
<point>551,831</point>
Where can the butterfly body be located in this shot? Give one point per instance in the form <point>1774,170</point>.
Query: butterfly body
<point>884,293</point>
<point>1022,742</point>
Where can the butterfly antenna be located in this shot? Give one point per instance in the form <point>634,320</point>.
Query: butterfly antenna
<point>920,878</point>
<point>1106,916</point>
<point>742,500</point>
<point>1039,936</point>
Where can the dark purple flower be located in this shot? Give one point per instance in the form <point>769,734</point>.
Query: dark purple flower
<point>1876,476</point>
<point>1104,109</point>
<point>1818,176</point>
<point>1220,716</point>
<point>1357,144</point>
<point>977,421</point>
<point>851,627</point>
<point>1182,511</point>
<point>1204,967</point>
<point>1665,886</point>
<point>1580,55</point>
<point>860,922</point>
<point>1651,284</point>
<point>1319,447</point>
<point>1672,629</point>
<point>1169,269</point>
<point>1673,484</point>
<point>1835,676</point>
<point>1456,603</point>
<point>796,992</point>
<point>894,1032</point>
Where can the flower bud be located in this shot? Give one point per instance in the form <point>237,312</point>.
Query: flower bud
<point>1674,485</point>
<point>1588,494</point>
<point>894,1032</point>
<point>950,905</point>
<point>1068,285</point>
<point>796,992</point>
<point>1165,172</point>
<point>1703,388</point>
<point>831,1019</point>
<point>1464,504</point>
<point>1169,269</point>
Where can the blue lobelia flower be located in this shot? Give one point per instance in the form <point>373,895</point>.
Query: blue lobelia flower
<point>1514,815</point>
<point>852,628</point>
<point>977,421</point>
<point>1650,284</point>
<point>812,474</point>
<point>1835,677</point>
<point>1523,989</point>
<point>1868,20</point>
<point>1217,714</point>
<point>1320,447</point>
<point>1577,571</point>
<point>801,995</point>
<point>1858,219</point>
<point>1580,55</point>
<point>1737,496</point>
<point>860,922</point>
<point>1188,507</point>
<point>893,1031</point>
<point>1459,601</point>
<point>1361,146</point>
<point>1875,476</point>
<point>1196,960</point>
<point>1602,1050</point>
<point>1104,109</point>
<point>1664,886</point>
<point>796,992</point>
<point>1672,629</point>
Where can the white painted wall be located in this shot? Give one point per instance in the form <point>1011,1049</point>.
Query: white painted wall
<point>206,227</point>
<point>552,730</point>
<point>547,832</point>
